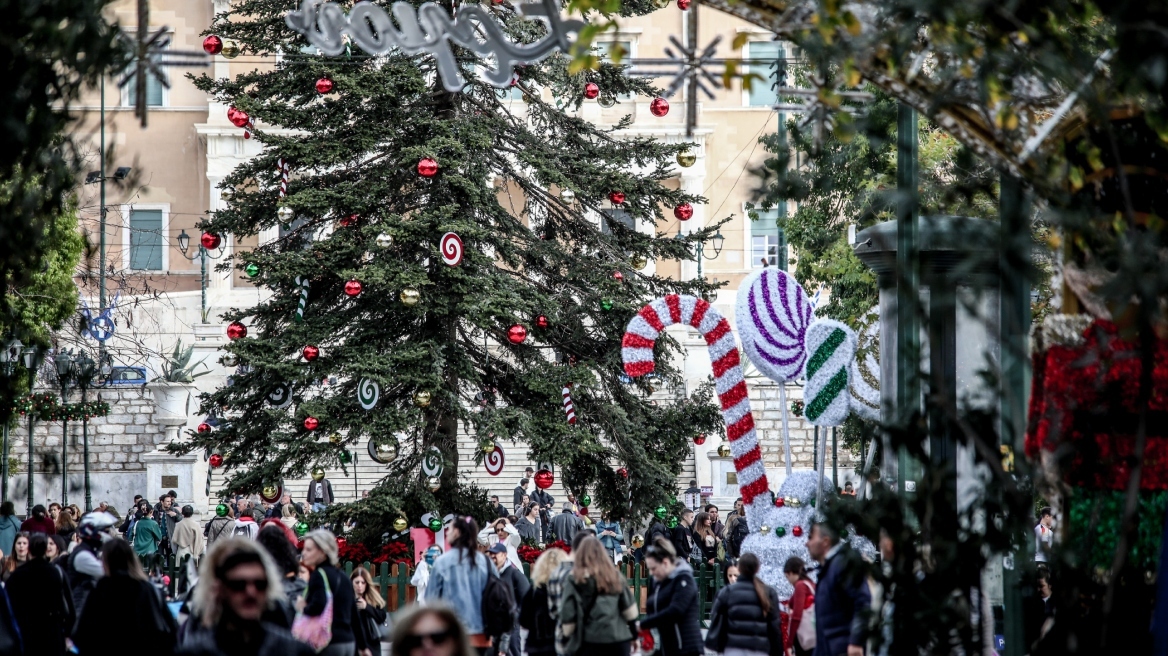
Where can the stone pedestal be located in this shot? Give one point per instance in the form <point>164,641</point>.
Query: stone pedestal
<point>724,479</point>
<point>185,474</point>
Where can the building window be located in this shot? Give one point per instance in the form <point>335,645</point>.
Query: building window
<point>762,54</point>
<point>620,216</point>
<point>146,240</point>
<point>768,244</point>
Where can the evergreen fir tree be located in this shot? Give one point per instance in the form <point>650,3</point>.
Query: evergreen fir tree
<point>361,211</point>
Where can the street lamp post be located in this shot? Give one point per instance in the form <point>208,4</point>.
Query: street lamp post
<point>8,359</point>
<point>716,243</point>
<point>32,361</point>
<point>85,370</point>
<point>184,243</point>
<point>65,371</point>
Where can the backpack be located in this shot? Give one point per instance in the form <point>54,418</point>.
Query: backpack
<point>246,530</point>
<point>498,607</point>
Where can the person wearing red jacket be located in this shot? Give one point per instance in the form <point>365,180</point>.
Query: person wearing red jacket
<point>796,572</point>
<point>40,522</point>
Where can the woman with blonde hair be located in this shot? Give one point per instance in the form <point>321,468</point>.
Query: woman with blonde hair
<point>597,605</point>
<point>534,614</point>
<point>326,582</point>
<point>288,516</point>
<point>370,608</point>
<point>431,630</point>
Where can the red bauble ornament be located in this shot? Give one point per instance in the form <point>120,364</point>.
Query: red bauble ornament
<point>542,321</point>
<point>700,439</point>
<point>204,428</point>
<point>216,460</point>
<point>212,45</point>
<point>239,118</point>
<point>779,502</point>
<point>350,220</point>
<point>324,85</point>
<point>797,531</point>
<point>683,4</point>
<point>353,287</point>
<point>544,479</point>
<point>246,134</point>
<point>311,423</point>
<point>618,276</point>
<point>591,90</point>
<point>583,511</point>
<point>310,353</point>
<point>624,473</point>
<point>236,330</point>
<point>516,334</point>
<point>617,197</point>
<point>683,212</point>
<point>427,168</point>
<point>659,107</point>
<point>210,240</point>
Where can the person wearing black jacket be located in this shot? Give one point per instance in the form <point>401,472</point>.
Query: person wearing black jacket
<point>746,614</point>
<point>41,601</point>
<point>672,602</point>
<point>320,556</point>
<point>520,586</point>
<point>535,614</point>
<point>123,597</point>
<point>736,530</point>
<point>682,535</point>
<point>657,530</point>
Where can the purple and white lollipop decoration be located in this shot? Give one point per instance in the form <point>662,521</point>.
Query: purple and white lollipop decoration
<point>772,316</point>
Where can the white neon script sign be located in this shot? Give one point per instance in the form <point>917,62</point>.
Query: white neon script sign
<point>430,29</point>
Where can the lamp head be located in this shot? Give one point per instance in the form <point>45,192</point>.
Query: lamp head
<point>717,242</point>
<point>86,367</point>
<point>184,241</point>
<point>122,173</point>
<point>31,357</point>
<point>64,363</point>
<point>11,352</point>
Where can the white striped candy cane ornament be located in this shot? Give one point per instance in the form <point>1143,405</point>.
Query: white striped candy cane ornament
<point>637,353</point>
<point>569,408</point>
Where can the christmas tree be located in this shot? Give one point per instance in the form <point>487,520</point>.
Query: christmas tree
<point>444,264</point>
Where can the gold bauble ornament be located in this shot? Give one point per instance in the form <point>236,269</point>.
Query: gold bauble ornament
<point>400,524</point>
<point>410,297</point>
<point>386,450</point>
<point>285,214</point>
<point>662,4</point>
<point>638,541</point>
<point>433,483</point>
<point>764,529</point>
<point>318,474</point>
<point>723,450</point>
<point>230,49</point>
<point>335,439</point>
<point>270,491</point>
<point>686,158</point>
<point>422,399</point>
<point>639,262</point>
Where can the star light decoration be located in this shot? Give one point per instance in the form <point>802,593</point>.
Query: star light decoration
<point>151,56</point>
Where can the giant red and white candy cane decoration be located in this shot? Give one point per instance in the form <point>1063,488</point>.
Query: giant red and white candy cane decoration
<point>637,353</point>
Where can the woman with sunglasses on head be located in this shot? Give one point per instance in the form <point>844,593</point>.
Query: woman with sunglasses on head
<point>433,630</point>
<point>320,555</point>
<point>238,581</point>
<point>123,597</point>
<point>672,602</point>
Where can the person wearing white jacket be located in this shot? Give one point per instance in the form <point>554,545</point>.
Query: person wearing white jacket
<point>502,530</point>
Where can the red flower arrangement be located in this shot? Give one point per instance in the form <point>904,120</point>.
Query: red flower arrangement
<point>1084,397</point>
<point>393,552</point>
<point>530,554</point>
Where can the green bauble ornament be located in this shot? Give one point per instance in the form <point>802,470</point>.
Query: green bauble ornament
<point>301,529</point>
<point>344,457</point>
<point>251,270</point>
<point>585,500</point>
<point>812,502</point>
<point>780,531</point>
<point>672,523</point>
<point>606,305</point>
<point>221,510</point>
<point>661,512</point>
<point>435,524</point>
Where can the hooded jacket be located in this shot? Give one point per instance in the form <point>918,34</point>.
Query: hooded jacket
<point>745,627</point>
<point>672,609</point>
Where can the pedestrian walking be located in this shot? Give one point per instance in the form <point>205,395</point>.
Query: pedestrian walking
<point>329,589</point>
<point>188,538</point>
<point>566,524</point>
<point>509,537</point>
<point>608,531</point>
<point>83,568</point>
<point>57,547</point>
<point>1043,535</point>
<point>842,598</point>
<point>146,536</point>
<point>497,508</point>
<point>9,527</point>
<point>657,531</point>
<point>320,493</point>
<point>123,597</point>
<point>717,525</point>
<point>459,578</point>
<point>802,607</point>
<point>132,516</point>
<point>237,583</point>
<point>672,602</point>
<point>287,559</point>
<point>222,525</point>
<point>534,614</point>
<point>246,525</point>
<point>745,619</point>
<point>529,525</point>
<point>17,557</point>
<point>736,530</point>
<point>371,614</point>
<point>731,574</point>
<point>707,541</point>
<point>597,606</point>
<point>65,525</point>
<point>524,488</point>
<point>682,535</point>
<point>39,522</point>
<point>519,585</point>
<point>41,601</point>
<point>288,516</point>
<point>167,517</point>
<point>430,631</point>
<point>524,502</point>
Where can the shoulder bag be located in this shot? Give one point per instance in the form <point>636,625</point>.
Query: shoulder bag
<point>315,631</point>
<point>806,633</point>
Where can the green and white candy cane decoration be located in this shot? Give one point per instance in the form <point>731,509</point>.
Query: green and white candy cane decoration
<point>831,349</point>
<point>302,282</point>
